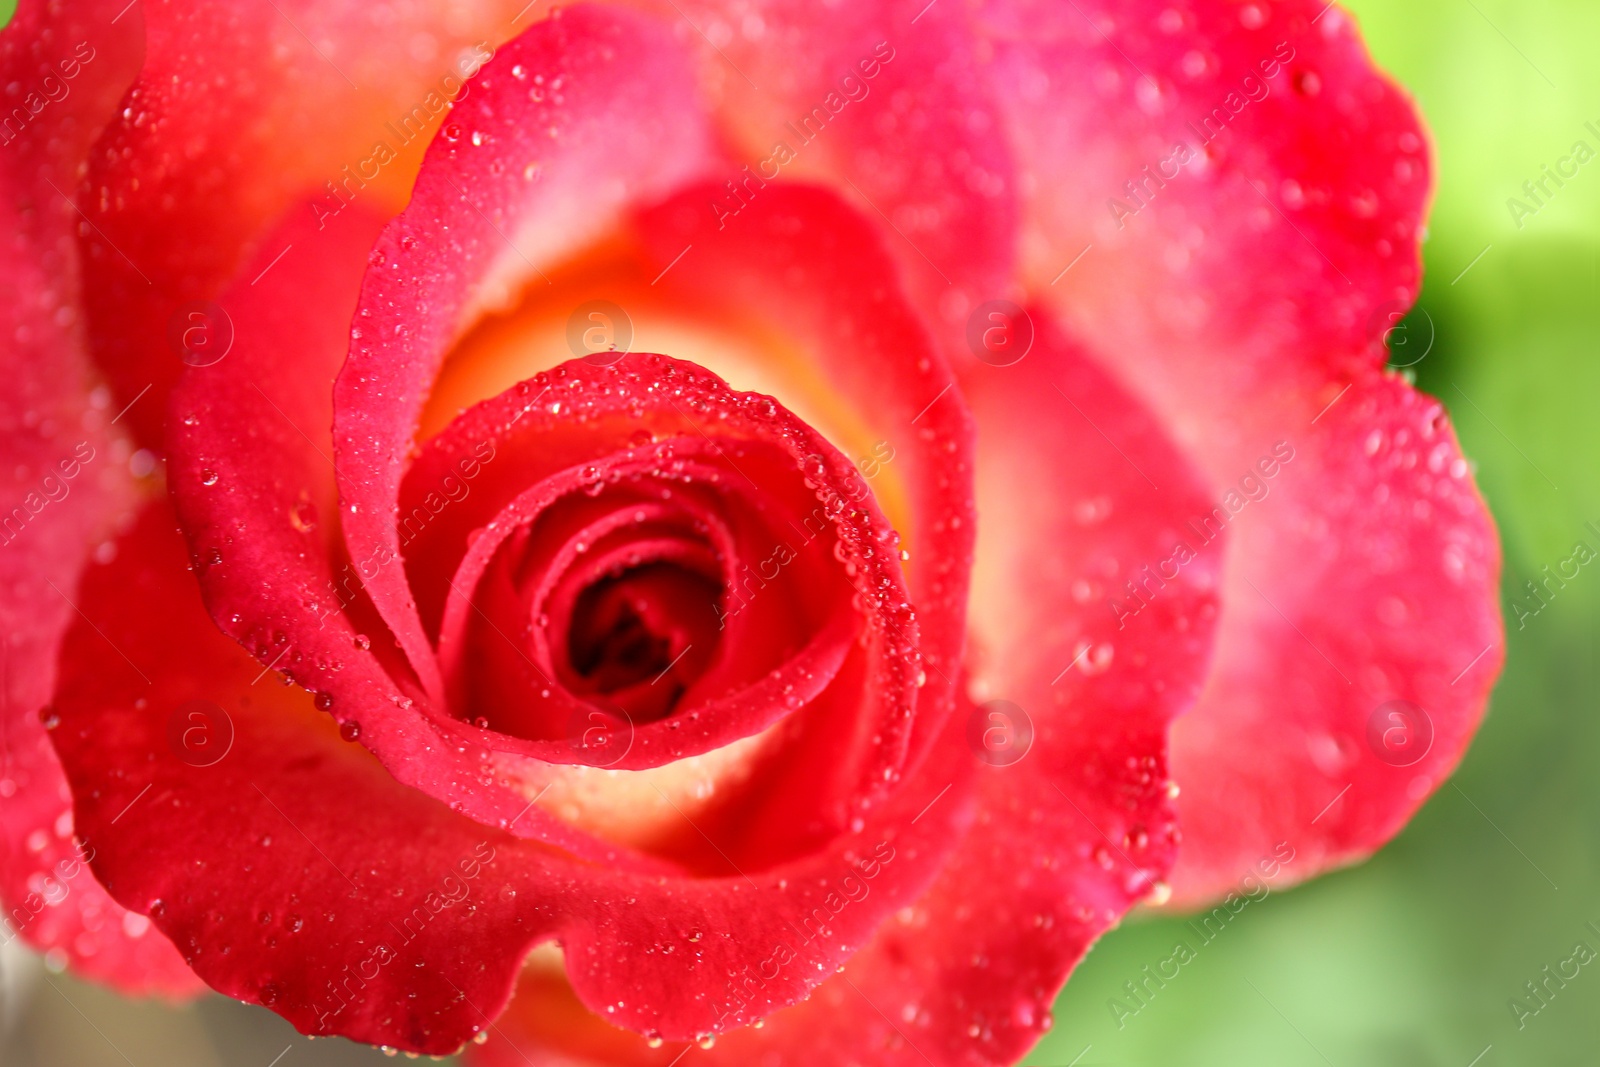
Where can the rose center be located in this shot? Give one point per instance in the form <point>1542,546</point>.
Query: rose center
<point>641,638</point>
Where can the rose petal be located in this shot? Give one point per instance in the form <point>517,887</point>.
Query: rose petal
<point>1244,297</point>
<point>891,107</point>
<point>65,482</point>
<point>1299,219</point>
<point>240,112</point>
<point>1356,653</point>
<point>252,449</point>
<point>572,121</point>
<point>687,421</point>
<point>1079,826</point>
<point>356,880</point>
<point>805,266</point>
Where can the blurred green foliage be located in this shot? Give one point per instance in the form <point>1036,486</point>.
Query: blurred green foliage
<point>1412,958</point>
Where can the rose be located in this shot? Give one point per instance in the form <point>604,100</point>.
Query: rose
<point>471,687</point>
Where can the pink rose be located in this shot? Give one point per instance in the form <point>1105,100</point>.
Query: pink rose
<point>781,524</point>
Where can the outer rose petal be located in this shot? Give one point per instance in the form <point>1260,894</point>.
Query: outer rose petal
<point>1370,576</point>
<point>1067,838</point>
<point>48,428</point>
<point>1306,209</point>
<point>240,110</point>
<point>1247,292</point>
<point>367,914</point>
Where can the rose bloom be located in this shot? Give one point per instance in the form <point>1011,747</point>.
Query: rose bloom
<point>769,524</point>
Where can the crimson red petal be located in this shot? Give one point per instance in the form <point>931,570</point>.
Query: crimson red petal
<point>378,913</point>
<point>65,481</point>
<point>582,413</point>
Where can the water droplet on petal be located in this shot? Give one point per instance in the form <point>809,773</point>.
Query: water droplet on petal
<point>303,516</point>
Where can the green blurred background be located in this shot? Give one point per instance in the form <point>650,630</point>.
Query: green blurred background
<point>1412,958</point>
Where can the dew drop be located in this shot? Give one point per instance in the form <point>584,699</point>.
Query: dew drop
<point>303,516</point>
